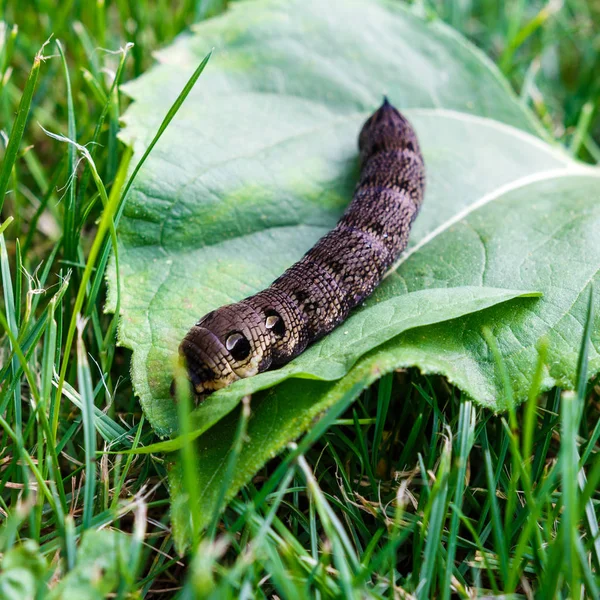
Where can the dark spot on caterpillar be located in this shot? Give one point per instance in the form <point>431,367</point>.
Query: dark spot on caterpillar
<point>317,293</point>
<point>301,296</point>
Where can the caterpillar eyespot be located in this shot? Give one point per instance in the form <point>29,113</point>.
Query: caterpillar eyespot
<point>275,323</point>
<point>317,293</point>
<point>238,346</point>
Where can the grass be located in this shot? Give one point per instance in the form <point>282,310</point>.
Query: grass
<point>409,492</point>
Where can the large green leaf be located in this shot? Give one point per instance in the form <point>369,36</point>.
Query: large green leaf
<point>260,162</point>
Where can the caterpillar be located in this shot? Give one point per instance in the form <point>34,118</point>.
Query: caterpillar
<point>317,293</point>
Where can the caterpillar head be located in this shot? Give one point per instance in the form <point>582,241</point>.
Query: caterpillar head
<point>227,344</point>
<point>386,129</point>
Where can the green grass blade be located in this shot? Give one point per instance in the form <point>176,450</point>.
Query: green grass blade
<point>234,453</point>
<point>108,428</point>
<point>84,380</point>
<point>69,231</point>
<point>16,134</point>
<point>466,436</point>
<point>433,526</point>
<point>531,406</point>
<point>497,529</point>
<point>301,448</point>
<point>188,456</point>
<point>165,123</point>
<point>569,466</point>
<point>582,363</point>
<point>106,224</point>
<point>384,394</point>
<point>11,318</point>
<point>581,130</point>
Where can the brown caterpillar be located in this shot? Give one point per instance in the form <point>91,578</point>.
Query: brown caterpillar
<point>316,294</point>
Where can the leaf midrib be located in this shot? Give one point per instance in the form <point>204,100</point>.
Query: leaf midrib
<point>520,183</point>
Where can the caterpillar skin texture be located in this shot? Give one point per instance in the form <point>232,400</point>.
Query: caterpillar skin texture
<point>339,272</point>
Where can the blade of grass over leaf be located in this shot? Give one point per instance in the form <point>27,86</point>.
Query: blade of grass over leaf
<point>163,126</point>
<point>115,192</point>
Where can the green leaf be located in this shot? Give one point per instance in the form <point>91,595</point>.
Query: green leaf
<point>102,558</point>
<point>261,161</point>
<point>543,234</point>
<point>23,572</point>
